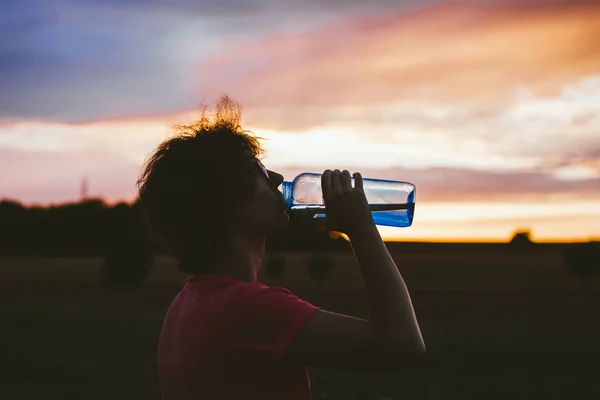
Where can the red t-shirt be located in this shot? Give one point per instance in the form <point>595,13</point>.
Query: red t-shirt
<point>224,338</point>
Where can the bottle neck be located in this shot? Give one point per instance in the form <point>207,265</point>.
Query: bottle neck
<point>286,190</point>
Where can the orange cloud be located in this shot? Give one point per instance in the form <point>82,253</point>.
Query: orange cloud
<point>452,52</point>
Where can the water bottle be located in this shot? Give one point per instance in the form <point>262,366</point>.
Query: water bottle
<point>392,203</point>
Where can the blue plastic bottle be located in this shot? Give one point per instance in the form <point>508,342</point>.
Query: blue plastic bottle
<point>392,203</point>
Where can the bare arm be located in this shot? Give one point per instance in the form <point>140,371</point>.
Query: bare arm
<point>389,300</point>
<point>391,339</point>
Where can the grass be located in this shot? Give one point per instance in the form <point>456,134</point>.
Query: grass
<point>76,339</point>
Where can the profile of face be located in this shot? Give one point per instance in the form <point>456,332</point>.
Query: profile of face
<point>264,212</point>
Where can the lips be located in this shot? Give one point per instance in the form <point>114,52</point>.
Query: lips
<point>283,205</point>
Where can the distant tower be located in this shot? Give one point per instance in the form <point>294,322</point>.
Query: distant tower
<point>84,188</point>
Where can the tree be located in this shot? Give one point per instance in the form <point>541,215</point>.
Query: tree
<point>521,239</point>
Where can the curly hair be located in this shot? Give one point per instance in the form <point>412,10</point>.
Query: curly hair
<point>193,182</point>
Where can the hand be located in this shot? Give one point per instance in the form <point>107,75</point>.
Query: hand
<point>346,207</point>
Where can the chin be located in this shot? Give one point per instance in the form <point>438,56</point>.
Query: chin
<point>275,224</point>
<point>284,221</point>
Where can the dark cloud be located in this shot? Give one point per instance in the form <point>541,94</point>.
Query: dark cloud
<point>182,6</point>
<point>75,60</point>
<point>249,7</point>
<point>62,60</point>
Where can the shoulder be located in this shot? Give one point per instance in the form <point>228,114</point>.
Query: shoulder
<point>257,294</point>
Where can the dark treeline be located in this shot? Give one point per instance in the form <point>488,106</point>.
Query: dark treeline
<point>93,228</point>
<point>121,236</point>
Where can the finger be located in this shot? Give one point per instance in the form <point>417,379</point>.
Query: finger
<point>358,181</point>
<point>346,180</point>
<point>326,183</point>
<point>336,183</point>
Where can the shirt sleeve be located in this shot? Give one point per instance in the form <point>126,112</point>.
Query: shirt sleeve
<point>261,322</point>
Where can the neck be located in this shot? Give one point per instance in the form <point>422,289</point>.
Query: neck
<point>244,256</point>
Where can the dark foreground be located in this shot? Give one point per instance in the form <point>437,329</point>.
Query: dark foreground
<point>87,341</point>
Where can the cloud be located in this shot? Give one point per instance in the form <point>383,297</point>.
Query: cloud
<point>474,102</point>
<point>556,221</point>
<point>448,203</point>
<point>522,139</point>
<point>520,133</point>
<point>248,8</point>
<point>454,52</point>
<point>75,61</point>
<point>55,177</point>
<point>443,184</point>
<point>66,60</point>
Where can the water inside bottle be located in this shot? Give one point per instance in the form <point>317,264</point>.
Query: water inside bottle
<point>398,215</point>
<point>316,208</point>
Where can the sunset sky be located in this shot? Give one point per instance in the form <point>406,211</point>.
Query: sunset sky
<point>492,108</point>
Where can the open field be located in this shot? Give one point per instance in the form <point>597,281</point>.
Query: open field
<point>514,328</point>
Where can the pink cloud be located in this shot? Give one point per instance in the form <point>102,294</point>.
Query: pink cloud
<point>461,184</point>
<point>451,52</point>
<point>42,177</point>
<point>55,177</point>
